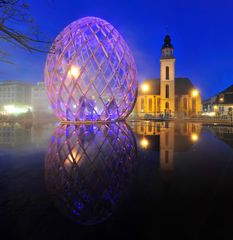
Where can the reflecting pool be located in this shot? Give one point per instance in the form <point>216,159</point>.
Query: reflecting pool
<point>141,180</point>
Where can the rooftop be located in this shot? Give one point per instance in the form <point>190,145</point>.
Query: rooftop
<point>183,86</point>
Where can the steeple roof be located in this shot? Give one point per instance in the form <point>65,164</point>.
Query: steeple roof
<point>167,42</point>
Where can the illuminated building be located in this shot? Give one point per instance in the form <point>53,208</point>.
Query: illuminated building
<point>221,104</point>
<point>91,74</point>
<point>15,97</point>
<point>168,95</point>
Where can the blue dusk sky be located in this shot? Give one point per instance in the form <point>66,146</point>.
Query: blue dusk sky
<point>201,33</point>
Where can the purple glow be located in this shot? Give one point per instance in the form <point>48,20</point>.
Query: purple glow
<point>91,74</point>
<point>88,169</point>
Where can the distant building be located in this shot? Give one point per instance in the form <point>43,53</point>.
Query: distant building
<point>168,95</point>
<point>220,104</point>
<point>208,105</point>
<point>15,97</point>
<point>40,102</point>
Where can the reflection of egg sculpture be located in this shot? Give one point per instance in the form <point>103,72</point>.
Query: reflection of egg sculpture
<point>90,73</point>
<point>88,169</point>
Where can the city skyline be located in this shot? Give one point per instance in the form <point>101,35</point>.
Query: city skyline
<point>201,35</point>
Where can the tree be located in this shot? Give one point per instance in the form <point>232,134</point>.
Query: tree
<point>18,27</point>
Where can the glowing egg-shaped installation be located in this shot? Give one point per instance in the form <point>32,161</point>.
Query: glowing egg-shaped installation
<point>88,169</point>
<point>90,73</point>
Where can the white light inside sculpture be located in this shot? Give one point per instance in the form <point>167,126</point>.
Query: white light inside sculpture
<point>74,71</point>
<point>91,67</point>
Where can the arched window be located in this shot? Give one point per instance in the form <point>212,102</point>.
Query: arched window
<point>167,91</point>
<point>167,73</point>
<point>193,105</point>
<point>150,104</point>
<point>142,104</point>
<point>167,105</point>
<point>185,102</point>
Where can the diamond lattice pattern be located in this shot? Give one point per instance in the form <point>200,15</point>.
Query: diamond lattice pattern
<point>88,168</point>
<point>90,73</point>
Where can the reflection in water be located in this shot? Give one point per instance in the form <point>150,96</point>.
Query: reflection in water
<point>225,133</point>
<point>171,137</point>
<point>88,167</point>
<point>24,136</point>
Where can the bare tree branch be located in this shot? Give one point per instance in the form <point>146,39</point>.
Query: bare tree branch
<point>18,27</point>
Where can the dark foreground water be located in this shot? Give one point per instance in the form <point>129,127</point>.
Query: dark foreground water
<point>143,181</point>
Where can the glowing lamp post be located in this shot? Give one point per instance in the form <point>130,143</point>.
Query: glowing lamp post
<point>195,93</point>
<point>90,74</point>
<point>145,87</point>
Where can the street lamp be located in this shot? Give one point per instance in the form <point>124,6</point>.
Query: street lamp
<point>145,87</point>
<point>195,93</point>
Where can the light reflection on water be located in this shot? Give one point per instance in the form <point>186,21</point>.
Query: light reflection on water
<point>88,168</point>
<point>114,175</point>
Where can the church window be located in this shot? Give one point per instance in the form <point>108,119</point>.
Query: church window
<point>193,105</point>
<point>142,104</point>
<point>167,91</point>
<point>150,104</point>
<point>185,103</point>
<point>167,73</point>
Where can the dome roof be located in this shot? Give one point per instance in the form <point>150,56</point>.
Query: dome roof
<point>167,42</point>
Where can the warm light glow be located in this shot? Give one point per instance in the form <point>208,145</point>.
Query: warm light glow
<point>12,109</point>
<point>210,114</point>
<point>221,99</point>
<point>72,159</point>
<point>145,87</point>
<point>195,93</point>
<point>194,137</point>
<point>86,68</point>
<point>215,107</point>
<point>144,143</point>
<point>74,70</point>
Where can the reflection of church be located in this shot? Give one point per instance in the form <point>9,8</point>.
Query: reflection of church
<point>168,95</point>
<point>171,137</point>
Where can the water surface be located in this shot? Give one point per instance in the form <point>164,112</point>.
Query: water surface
<point>139,180</point>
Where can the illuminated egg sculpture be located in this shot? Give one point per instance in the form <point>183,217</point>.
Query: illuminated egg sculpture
<point>89,168</point>
<point>90,73</point>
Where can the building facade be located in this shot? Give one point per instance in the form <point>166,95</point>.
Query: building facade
<point>220,105</point>
<point>168,95</point>
<point>40,102</point>
<point>15,96</point>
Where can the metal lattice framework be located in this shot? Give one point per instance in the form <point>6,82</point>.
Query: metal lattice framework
<point>90,75</point>
<point>88,168</point>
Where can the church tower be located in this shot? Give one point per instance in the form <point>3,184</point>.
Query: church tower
<point>167,78</point>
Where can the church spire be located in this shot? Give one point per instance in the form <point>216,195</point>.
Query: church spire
<point>167,48</point>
